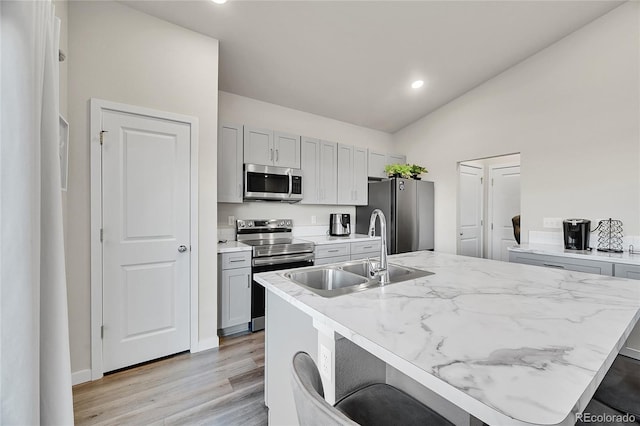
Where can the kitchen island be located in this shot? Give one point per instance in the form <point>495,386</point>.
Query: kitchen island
<point>507,344</point>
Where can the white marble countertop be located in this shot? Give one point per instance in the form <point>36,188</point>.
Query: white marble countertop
<point>559,250</point>
<point>508,343</point>
<point>326,239</point>
<point>232,246</point>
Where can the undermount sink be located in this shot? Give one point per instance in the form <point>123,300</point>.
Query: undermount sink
<point>331,281</point>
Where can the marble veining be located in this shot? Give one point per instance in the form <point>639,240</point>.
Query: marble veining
<point>508,343</point>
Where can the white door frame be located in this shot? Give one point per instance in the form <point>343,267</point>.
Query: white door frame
<point>490,203</point>
<point>97,107</point>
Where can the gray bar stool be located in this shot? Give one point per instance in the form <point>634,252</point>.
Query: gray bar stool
<point>618,394</point>
<point>376,404</point>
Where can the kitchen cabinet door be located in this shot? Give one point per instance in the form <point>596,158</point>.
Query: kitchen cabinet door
<point>345,174</point>
<point>360,177</point>
<point>396,159</point>
<point>230,151</point>
<point>376,163</point>
<point>632,346</point>
<point>258,146</point>
<point>310,165</point>
<point>236,297</point>
<point>286,150</point>
<point>328,176</point>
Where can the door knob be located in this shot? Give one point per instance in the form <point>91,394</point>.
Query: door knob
<point>182,248</point>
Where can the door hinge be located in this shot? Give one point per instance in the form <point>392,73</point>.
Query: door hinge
<point>101,235</point>
<point>102,132</point>
<point>102,331</point>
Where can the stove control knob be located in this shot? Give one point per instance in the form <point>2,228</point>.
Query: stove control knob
<point>241,224</point>
<point>281,223</point>
<point>250,224</point>
<point>288,223</point>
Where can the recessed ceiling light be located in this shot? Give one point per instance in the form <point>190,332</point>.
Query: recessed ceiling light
<point>219,1</point>
<point>417,84</point>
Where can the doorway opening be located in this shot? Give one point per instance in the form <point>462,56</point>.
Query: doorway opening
<point>488,202</point>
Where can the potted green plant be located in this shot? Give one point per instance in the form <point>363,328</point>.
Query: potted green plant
<point>398,170</point>
<point>417,170</point>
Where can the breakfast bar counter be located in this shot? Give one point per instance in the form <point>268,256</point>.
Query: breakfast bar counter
<point>506,343</point>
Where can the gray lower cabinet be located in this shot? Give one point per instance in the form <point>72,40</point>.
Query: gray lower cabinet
<point>234,292</point>
<point>632,346</point>
<point>365,250</point>
<point>332,253</point>
<point>558,262</point>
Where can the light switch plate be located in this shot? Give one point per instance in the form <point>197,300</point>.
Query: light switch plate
<point>314,220</point>
<point>232,220</point>
<point>325,361</point>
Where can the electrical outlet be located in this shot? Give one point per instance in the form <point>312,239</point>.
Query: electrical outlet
<point>552,222</point>
<point>232,220</point>
<point>314,219</point>
<point>325,361</point>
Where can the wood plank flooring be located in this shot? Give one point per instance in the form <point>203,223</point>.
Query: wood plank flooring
<point>222,386</point>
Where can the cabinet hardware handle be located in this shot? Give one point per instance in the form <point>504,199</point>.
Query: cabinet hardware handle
<point>367,247</point>
<point>248,283</point>
<point>553,266</point>
<point>239,190</point>
<point>236,261</point>
<point>271,154</point>
<point>276,155</point>
<point>333,251</point>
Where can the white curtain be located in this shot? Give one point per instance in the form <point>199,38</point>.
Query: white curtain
<point>35,385</point>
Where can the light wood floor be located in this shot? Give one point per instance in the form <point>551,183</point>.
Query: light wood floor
<point>222,386</point>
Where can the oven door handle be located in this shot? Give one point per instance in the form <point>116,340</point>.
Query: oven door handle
<point>267,261</point>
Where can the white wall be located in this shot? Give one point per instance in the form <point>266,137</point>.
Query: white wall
<point>119,54</point>
<point>572,112</point>
<point>242,110</point>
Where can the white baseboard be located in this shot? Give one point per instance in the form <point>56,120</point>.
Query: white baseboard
<point>205,344</point>
<point>81,376</point>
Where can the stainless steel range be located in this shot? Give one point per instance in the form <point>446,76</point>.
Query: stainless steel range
<point>274,249</point>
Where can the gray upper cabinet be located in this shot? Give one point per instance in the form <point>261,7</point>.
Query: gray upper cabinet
<point>378,160</point>
<point>310,163</point>
<point>360,180</point>
<point>258,146</point>
<point>345,174</point>
<point>352,175</point>
<point>396,159</point>
<point>262,146</point>
<point>286,150</point>
<point>319,168</point>
<point>230,163</point>
<point>328,175</point>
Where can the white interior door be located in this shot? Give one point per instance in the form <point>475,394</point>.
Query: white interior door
<point>470,205</point>
<point>146,221</point>
<point>504,203</point>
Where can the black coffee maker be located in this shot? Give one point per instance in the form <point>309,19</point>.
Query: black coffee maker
<point>576,233</point>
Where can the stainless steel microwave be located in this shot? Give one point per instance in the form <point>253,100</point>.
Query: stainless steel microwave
<point>272,183</point>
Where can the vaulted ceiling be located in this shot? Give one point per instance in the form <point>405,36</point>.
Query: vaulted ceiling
<point>354,61</point>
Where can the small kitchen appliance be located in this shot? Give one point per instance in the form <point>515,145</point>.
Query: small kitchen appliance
<point>339,224</point>
<point>576,233</point>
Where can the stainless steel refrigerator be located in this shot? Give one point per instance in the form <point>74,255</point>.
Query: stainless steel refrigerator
<point>408,207</point>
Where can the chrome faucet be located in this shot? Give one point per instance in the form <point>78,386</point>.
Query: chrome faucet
<point>381,270</point>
